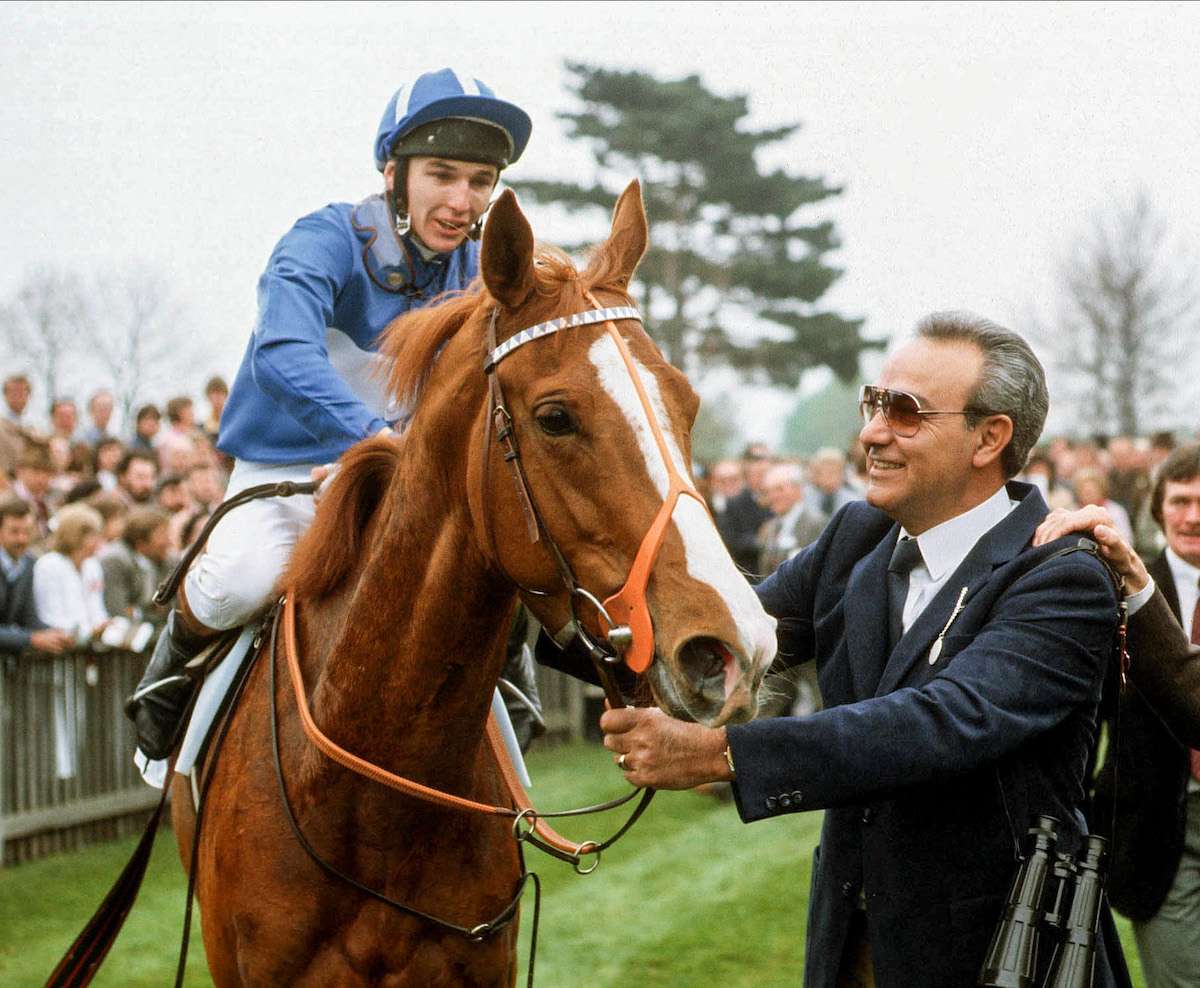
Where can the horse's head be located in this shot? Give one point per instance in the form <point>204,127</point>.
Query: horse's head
<point>601,431</point>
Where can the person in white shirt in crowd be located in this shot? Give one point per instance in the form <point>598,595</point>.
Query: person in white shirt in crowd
<point>68,591</point>
<point>68,583</point>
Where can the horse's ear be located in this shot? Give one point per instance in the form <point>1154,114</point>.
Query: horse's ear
<point>629,235</point>
<point>506,256</point>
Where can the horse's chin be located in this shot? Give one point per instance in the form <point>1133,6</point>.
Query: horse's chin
<point>698,686</point>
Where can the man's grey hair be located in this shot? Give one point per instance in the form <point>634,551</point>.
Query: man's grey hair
<point>790,470</point>
<point>827,454</point>
<point>1011,382</point>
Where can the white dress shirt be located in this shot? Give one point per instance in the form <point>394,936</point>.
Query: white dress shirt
<point>945,546</point>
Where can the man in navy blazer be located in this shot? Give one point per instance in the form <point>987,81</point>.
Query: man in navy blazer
<point>934,756</point>
<point>20,627</point>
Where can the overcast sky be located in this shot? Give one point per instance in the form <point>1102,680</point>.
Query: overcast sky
<point>973,140</point>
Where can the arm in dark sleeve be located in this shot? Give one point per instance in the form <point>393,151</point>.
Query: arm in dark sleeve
<point>1039,655</point>
<point>14,638</point>
<point>1165,668</point>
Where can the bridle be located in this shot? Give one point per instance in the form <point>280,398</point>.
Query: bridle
<point>629,635</point>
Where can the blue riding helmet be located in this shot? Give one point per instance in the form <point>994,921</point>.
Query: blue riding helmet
<point>445,114</point>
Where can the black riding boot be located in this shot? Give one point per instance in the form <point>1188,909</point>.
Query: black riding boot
<point>158,704</point>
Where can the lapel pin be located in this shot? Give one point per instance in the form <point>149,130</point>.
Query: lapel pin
<point>935,650</point>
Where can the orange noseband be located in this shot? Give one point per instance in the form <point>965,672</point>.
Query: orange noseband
<point>628,605</point>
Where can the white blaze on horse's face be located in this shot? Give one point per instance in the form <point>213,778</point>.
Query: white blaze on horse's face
<point>708,561</point>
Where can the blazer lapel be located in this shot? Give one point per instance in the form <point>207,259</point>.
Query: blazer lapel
<point>971,576</point>
<point>866,612</point>
<point>1160,569</point>
<point>996,547</point>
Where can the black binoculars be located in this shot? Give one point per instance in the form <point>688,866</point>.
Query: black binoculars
<point>1055,899</point>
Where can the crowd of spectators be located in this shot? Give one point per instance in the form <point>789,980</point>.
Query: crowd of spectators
<point>91,520</point>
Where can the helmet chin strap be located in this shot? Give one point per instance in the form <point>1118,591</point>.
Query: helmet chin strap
<point>397,200</point>
<point>401,222</point>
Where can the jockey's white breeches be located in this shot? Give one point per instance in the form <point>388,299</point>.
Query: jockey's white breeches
<point>234,578</point>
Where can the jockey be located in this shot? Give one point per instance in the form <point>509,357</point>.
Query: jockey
<point>304,391</point>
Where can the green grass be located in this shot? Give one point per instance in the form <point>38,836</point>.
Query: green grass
<point>690,897</point>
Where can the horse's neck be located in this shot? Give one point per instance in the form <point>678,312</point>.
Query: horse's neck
<point>416,642</point>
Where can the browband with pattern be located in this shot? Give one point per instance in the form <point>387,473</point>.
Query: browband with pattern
<point>554,325</point>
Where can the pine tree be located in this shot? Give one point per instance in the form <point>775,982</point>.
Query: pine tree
<point>734,271</point>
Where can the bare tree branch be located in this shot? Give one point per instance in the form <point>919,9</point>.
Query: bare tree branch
<point>137,339</point>
<point>43,323</point>
<point>1127,319</point>
<point>122,330</point>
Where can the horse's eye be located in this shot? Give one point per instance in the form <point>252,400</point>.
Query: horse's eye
<point>554,420</point>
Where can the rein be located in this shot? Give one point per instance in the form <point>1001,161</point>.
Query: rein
<point>629,636</point>
<point>528,825</point>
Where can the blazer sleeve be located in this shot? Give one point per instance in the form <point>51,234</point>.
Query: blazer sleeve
<point>1165,668</point>
<point>14,638</point>
<point>21,612</point>
<point>1037,655</point>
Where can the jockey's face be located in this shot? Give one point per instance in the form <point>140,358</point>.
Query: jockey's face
<point>445,198</point>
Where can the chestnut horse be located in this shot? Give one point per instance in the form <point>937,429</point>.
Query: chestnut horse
<point>403,589</point>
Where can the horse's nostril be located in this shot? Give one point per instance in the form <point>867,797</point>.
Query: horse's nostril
<point>703,658</point>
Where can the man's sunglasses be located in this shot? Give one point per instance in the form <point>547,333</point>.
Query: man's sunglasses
<point>901,411</point>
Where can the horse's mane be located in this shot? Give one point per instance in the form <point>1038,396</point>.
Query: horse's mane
<point>330,549</point>
<point>410,344</point>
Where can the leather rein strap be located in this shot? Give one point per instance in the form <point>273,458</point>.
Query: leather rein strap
<point>528,824</point>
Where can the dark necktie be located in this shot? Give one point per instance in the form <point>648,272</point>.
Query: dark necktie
<point>1196,641</point>
<point>905,557</point>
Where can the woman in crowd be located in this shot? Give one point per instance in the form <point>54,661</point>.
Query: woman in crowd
<point>68,584</point>
<point>68,591</point>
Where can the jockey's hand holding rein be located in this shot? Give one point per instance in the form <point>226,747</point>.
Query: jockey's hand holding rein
<point>321,474</point>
